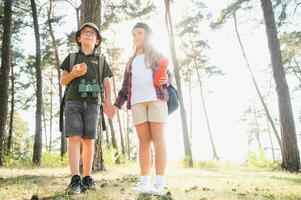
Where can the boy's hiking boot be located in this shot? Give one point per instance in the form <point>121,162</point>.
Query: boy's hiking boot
<point>89,184</point>
<point>75,185</point>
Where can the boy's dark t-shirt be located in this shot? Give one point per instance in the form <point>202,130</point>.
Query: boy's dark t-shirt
<point>92,73</point>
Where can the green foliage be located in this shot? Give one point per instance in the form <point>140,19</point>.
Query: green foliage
<point>24,160</point>
<point>108,155</point>
<point>211,164</point>
<point>54,160</point>
<point>194,49</point>
<point>186,161</point>
<point>132,9</point>
<point>17,160</point>
<point>138,8</point>
<point>260,161</point>
<point>291,46</point>
<point>227,12</point>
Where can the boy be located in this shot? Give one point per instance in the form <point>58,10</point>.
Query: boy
<point>82,106</point>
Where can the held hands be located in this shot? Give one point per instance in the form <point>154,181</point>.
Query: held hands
<point>79,69</point>
<point>109,109</point>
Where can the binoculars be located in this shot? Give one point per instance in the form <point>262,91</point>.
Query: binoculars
<point>86,88</point>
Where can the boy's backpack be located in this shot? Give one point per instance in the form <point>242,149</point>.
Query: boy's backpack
<point>72,58</point>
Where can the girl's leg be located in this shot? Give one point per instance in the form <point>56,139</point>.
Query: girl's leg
<point>87,156</point>
<point>144,137</point>
<point>74,154</point>
<point>157,135</point>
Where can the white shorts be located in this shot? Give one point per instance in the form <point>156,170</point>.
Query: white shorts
<point>152,111</point>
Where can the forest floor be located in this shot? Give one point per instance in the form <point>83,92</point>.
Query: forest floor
<point>182,183</point>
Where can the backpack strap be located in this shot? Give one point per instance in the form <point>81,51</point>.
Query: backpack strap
<point>101,62</point>
<point>71,61</point>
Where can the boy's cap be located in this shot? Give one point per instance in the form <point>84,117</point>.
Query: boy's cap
<point>144,26</point>
<point>77,34</point>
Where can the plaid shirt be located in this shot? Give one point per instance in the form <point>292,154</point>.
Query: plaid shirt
<point>126,90</point>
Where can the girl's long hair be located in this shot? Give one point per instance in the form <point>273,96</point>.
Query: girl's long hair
<point>149,53</point>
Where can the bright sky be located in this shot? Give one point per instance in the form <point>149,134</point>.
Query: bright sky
<point>231,95</point>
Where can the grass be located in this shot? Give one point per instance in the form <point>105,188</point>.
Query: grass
<point>220,183</point>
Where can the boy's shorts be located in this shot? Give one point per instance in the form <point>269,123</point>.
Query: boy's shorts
<point>152,111</point>
<point>81,119</point>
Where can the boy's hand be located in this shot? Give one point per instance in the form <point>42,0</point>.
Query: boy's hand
<point>79,69</point>
<point>115,110</point>
<point>109,109</point>
<point>163,80</point>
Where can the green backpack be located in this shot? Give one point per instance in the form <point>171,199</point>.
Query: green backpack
<point>72,58</point>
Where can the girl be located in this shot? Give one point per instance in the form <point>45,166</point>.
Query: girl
<point>149,107</point>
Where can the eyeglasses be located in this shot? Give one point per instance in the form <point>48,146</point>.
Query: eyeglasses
<point>92,33</point>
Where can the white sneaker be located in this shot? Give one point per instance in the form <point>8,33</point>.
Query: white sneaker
<point>143,187</point>
<point>158,189</point>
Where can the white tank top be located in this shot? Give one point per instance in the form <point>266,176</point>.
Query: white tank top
<point>143,89</point>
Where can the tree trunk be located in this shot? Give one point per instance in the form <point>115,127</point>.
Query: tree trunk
<point>121,134</point>
<point>128,134</point>
<point>124,129</point>
<point>77,10</point>
<point>271,141</point>
<point>215,156</point>
<point>107,136</point>
<point>12,110</point>
<point>57,62</point>
<point>114,143</point>
<point>119,121</point>
<point>98,164</point>
<point>290,152</point>
<point>190,110</point>
<point>51,115</point>
<point>90,11</point>
<point>37,148</point>
<point>257,136</point>
<point>5,67</point>
<point>169,27</point>
<point>255,82</point>
<point>45,128</point>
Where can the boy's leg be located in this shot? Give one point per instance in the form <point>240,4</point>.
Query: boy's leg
<point>74,154</point>
<point>87,156</point>
<point>91,118</point>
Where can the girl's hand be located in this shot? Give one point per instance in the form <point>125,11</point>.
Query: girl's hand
<point>79,69</point>
<point>163,80</point>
